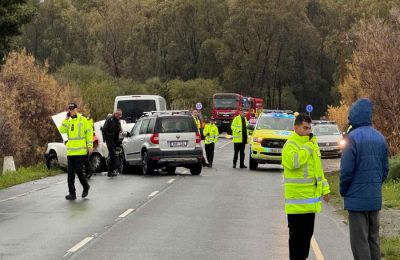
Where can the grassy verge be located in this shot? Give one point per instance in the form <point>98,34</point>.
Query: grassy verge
<point>390,246</point>
<point>23,175</point>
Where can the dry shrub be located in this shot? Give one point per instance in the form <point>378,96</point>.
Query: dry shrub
<point>339,114</point>
<point>30,96</point>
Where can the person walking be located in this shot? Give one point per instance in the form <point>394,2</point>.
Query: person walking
<point>364,167</point>
<point>111,130</point>
<point>304,186</point>
<point>239,137</point>
<point>79,144</point>
<point>211,137</point>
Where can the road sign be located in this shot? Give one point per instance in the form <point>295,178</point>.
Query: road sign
<point>309,108</point>
<point>199,106</point>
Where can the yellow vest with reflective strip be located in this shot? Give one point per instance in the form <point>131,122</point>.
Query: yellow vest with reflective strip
<point>211,133</point>
<point>197,121</point>
<point>236,127</point>
<point>304,178</point>
<point>80,135</point>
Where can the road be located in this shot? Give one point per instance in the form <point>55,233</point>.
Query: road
<point>224,213</point>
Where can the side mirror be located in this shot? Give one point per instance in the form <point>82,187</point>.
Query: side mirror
<point>250,127</point>
<point>126,134</point>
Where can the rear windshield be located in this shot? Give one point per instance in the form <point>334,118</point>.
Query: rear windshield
<point>175,124</point>
<point>132,110</point>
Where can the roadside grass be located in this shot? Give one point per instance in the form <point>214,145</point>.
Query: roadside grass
<point>390,246</point>
<point>25,174</point>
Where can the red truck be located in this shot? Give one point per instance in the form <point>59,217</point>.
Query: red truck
<point>225,107</point>
<point>253,106</point>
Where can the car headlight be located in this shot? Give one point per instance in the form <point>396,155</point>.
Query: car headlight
<point>257,140</point>
<point>342,143</point>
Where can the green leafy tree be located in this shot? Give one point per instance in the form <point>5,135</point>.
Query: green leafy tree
<point>13,14</point>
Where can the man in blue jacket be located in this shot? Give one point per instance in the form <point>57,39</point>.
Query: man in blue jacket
<point>364,167</point>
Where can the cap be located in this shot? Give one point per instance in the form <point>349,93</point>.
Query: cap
<point>72,105</point>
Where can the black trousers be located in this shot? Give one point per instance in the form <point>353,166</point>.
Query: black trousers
<point>238,147</point>
<point>210,152</point>
<point>301,229</point>
<point>113,156</point>
<point>75,164</point>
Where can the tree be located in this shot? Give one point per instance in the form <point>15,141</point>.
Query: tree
<point>13,14</point>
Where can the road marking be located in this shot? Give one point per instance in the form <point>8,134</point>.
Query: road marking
<point>59,182</point>
<point>126,213</point>
<point>171,180</point>
<point>224,145</point>
<point>316,249</point>
<point>80,245</point>
<point>154,193</point>
<point>11,198</point>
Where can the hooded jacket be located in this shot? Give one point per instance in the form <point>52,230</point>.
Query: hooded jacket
<point>364,164</point>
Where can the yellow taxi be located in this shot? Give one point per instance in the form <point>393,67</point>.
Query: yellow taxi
<point>271,132</point>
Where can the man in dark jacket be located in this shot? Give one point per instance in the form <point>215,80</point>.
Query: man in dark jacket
<point>364,167</point>
<point>111,131</point>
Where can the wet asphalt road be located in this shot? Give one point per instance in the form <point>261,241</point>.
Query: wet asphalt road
<point>224,213</point>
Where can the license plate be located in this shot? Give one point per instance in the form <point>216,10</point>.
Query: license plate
<point>225,122</point>
<point>328,148</point>
<point>178,143</point>
<point>273,150</point>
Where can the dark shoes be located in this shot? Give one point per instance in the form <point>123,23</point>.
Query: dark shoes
<point>70,197</point>
<point>85,192</point>
<point>234,166</point>
<point>243,166</point>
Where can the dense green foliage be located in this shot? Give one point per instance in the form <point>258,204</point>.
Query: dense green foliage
<point>13,14</point>
<point>289,52</point>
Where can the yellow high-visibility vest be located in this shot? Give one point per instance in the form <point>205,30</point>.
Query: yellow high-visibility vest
<point>80,135</point>
<point>211,133</point>
<point>236,127</point>
<point>305,182</point>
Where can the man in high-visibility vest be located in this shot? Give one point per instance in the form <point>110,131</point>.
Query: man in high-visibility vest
<point>195,115</point>
<point>211,137</point>
<point>305,185</point>
<point>239,137</point>
<point>80,143</point>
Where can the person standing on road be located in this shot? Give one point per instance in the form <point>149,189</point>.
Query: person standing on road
<point>196,117</point>
<point>364,167</point>
<point>111,130</point>
<point>239,137</point>
<point>211,137</point>
<point>304,186</point>
<point>80,143</point>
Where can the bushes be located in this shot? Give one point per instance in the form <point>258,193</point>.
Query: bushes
<point>394,171</point>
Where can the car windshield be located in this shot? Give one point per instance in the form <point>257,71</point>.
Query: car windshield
<point>225,102</point>
<point>175,125</point>
<point>275,123</point>
<point>319,130</point>
<point>132,110</point>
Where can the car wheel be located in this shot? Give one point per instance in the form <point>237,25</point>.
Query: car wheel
<point>253,164</point>
<point>96,162</point>
<point>196,169</point>
<point>146,164</point>
<point>171,169</point>
<point>52,161</point>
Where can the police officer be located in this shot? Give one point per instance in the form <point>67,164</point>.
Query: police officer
<point>239,137</point>
<point>80,143</point>
<point>211,137</point>
<point>305,184</point>
<point>111,130</point>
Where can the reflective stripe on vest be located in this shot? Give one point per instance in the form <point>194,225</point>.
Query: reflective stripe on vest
<point>310,151</point>
<point>302,201</point>
<point>305,180</point>
<point>77,148</point>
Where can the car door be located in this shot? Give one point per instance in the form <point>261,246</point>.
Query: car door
<point>129,143</point>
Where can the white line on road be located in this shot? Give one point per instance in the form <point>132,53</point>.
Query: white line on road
<point>224,145</point>
<point>11,198</point>
<point>80,245</point>
<point>171,180</point>
<point>154,193</point>
<point>126,213</point>
<point>316,249</point>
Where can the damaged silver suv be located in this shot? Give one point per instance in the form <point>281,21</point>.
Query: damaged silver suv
<point>164,139</point>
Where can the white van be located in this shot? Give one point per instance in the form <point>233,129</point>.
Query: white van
<point>133,106</point>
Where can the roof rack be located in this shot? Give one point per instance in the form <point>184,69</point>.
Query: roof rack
<point>167,112</point>
<point>277,111</point>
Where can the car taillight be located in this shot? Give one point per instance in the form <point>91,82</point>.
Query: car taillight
<point>198,138</point>
<point>154,138</point>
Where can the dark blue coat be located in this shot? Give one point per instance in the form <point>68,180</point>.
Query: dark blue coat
<point>364,163</point>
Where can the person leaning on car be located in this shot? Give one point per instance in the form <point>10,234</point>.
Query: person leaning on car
<point>111,130</point>
<point>79,144</point>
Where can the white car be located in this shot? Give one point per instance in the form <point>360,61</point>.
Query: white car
<point>56,153</point>
<point>330,139</point>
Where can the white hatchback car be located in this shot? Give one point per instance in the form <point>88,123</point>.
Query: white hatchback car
<point>330,139</point>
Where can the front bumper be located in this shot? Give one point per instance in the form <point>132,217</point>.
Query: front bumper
<point>175,158</point>
<point>330,151</point>
<point>264,155</point>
